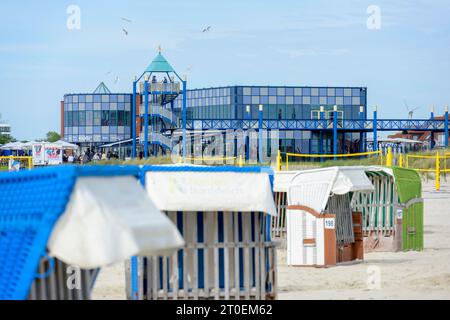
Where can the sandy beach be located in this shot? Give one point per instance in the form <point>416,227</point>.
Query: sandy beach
<point>403,275</point>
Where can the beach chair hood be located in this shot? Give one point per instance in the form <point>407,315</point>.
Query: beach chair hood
<point>312,188</point>
<point>108,220</point>
<point>207,189</point>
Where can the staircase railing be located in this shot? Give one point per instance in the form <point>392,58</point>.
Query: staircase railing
<point>158,138</point>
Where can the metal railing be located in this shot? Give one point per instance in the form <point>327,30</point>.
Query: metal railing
<point>156,137</point>
<point>161,87</point>
<point>161,111</point>
<point>326,156</point>
<point>437,168</point>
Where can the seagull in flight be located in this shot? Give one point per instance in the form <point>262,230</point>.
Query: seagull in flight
<point>127,20</point>
<point>208,28</point>
<point>125,31</point>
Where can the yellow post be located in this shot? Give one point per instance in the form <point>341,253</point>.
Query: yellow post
<point>287,161</point>
<point>400,160</point>
<point>279,161</point>
<point>438,172</point>
<point>389,157</point>
<point>241,163</point>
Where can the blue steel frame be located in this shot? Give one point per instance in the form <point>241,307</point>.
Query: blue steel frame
<point>446,127</point>
<point>335,125</point>
<point>317,125</point>
<point>335,131</point>
<point>322,125</point>
<point>145,117</point>
<point>260,134</point>
<point>133,121</point>
<point>146,93</point>
<point>361,134</point>
<point>375,138</point>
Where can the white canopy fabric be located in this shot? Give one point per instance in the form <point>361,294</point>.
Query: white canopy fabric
<point>109,220</point>
<point>380,169</point>
<point>65,144</point>
<point>29,144</point>
<point>13,146</point>
<point>211,191</point>
<point>282,180</point>
<point>312,188</point>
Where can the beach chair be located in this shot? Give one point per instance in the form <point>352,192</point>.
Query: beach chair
<point>223,214</point>
<point>393,212</point>
<point>281,182</point>
<point>59,225</point>
<point>322,228</point>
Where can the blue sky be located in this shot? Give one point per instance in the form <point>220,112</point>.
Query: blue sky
<point>309,42</point>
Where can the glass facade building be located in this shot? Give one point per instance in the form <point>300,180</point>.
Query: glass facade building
<point>280,103</point>
<point>95,119</point>
<point>284,103</point>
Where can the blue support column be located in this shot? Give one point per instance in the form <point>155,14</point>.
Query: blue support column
<point>247,138</point>
<point>446,127</point>
<point>361,133</point>
<point>184,115</point>
<point>146,118</point>
<point>432,132</point>
<point>322,117</point>
<point>375,141</point>
<point>260,134</point>
<point>335,131</point>
<point>133,122</point>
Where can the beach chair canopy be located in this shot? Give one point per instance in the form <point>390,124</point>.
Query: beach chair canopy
<point>282,180</point>
<point>313,188</point>
<point>94,216</point>
<point>109,219</point>
<point>190,188</point>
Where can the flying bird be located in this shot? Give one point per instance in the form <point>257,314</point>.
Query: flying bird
<point>125,31</point>
<point>208,28</point>
<point>108,73</point>
<point>127,20</point>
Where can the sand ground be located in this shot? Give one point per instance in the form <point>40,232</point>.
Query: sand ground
<point>403,275</point>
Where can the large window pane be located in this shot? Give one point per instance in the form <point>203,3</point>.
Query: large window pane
<point>97,118</point>
<point>75,118</point>
<point>121,118</point>
<point>105,118</point>
<point>82,118</point>
<point>113,118</point>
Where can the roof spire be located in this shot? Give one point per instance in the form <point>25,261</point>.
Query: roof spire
<point>102,88</point>
<point>159,48</point>
<point>159,64</point>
